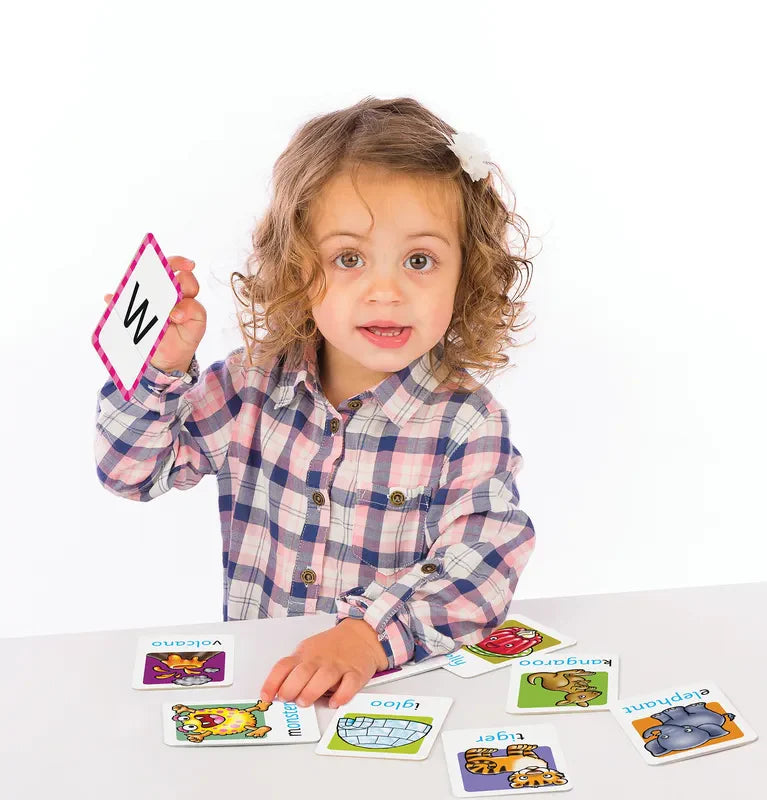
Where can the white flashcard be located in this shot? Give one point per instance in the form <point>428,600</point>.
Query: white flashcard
<point>562,683</point>
<point>385,726</point>
<point>176,661</point>
<point>406,670</point>
<point>518,637</point>
<point>505,760</point>
<point>246,722</point>
<point>135,321</point>
<point>685,721</point>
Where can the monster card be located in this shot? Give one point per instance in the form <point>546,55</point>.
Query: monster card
<point>244,722</point>
<point>135,321</point>
<point>685,721</point>
<point>518,637</point>
<point>505,760</point>
<point>562,682</point>
<point>385,726</point>
<point>173,661</point>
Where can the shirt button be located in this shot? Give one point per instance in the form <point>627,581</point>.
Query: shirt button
<point>355,404</point>
<point>318,498</point>
<point>397,498</point>
<point>308,576</point>
<point>427,569</point>
<point>334,425</point>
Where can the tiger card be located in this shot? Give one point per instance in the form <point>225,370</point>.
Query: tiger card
<point>249,722</point>
<point>517,637</point>
<point>181,661</point>
<point>505,760</point>
<point>684,721</point>
<point>562,682</point>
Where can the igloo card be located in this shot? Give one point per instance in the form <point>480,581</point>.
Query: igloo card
<point>134,322</point>
<point>683,721</point>
<point>505,760</point>
<point>518,637</point>
<point>385,726</point>
<point>183,661</point>
<point>246,722</point>
<point>562,682</point>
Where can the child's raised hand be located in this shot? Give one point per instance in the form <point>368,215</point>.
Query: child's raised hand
<point>346,656</point>
<point>187,322</point>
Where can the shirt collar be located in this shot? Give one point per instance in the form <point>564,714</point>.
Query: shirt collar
<point>400,394</point>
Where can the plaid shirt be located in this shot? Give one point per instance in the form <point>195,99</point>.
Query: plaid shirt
<point>399,508</point>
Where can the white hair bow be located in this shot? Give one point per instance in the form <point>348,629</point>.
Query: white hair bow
<point>472,153</point>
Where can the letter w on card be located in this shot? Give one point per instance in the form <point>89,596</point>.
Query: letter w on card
<point>136,318</point>
<point>518,637</point>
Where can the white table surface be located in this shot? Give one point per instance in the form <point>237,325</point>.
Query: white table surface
<point>72,726</point>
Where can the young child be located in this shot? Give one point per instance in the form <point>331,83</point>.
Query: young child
<point>361,472</point>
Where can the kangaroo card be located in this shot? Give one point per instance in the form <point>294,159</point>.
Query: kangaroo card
<point>134,322</point>
<point>173,661</point>
<point>561,683</point>
<point>685,721</point>
<point>246,722</point>
<point>517,637</point>
<point>385,726</point>
<point>505,760</point>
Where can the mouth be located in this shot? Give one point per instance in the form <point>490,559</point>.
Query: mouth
<point>386,331</point>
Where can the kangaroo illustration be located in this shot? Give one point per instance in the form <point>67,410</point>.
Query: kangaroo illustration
<point>572,682</point>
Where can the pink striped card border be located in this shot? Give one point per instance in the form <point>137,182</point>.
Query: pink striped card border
<point>127,393</point>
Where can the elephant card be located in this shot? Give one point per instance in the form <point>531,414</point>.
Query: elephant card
<point>562,682</point>
<point>684,721</point>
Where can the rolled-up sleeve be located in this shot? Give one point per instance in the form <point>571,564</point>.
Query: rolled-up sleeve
<point>480,541</point>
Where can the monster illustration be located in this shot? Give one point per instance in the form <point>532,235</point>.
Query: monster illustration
<point>527,769</point>
<point>507,643</point>
<point>572,682</point>
<point>376,734</point>
<point>685,727</point>
<point>197,724</point>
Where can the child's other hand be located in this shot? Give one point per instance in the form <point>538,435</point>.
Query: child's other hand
<point>185,332</point>
<point>346,656</point>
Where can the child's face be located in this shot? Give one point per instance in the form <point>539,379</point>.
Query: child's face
<point>387,275</point>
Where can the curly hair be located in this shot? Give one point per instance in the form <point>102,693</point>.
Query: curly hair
<point>285,277</point>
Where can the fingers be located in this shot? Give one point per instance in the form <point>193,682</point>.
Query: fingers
<point>296,681</point>
<point>316,687</point>
<point>182,267</point>
<point>188,309</point>
<point>274,679</point>
<point>350,684</point>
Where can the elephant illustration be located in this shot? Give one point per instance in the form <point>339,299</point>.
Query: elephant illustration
<point>685,727</point>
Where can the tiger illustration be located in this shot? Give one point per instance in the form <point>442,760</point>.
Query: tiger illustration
<point>196,724</point>
<point>527,769</point>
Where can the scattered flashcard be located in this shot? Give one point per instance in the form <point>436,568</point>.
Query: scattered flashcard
<point>239,723</point>
<point>406,670</point>
<point>684,721</point>
<point>134,322</point>
<point>509,760</point>
<point>519,636</point>
<point>385,726</point>
<point>572,682</point>
<point>173,661</point>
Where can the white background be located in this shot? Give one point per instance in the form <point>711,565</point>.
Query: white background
<point>633,137</point>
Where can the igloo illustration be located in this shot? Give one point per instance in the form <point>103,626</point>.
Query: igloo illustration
<point>379,733</point>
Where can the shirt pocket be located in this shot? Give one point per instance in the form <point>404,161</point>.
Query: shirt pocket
<point>389,528</point>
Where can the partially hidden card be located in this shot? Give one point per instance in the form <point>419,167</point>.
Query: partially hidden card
<point>505,760</point>
<point>173,661</point>
<point>685,721</point>
<point>246,722</point>
<point>134,322</point>
<point>562,682</point>
<point>406,670</point>
<point>385,726</point>
<point>518,637</point>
